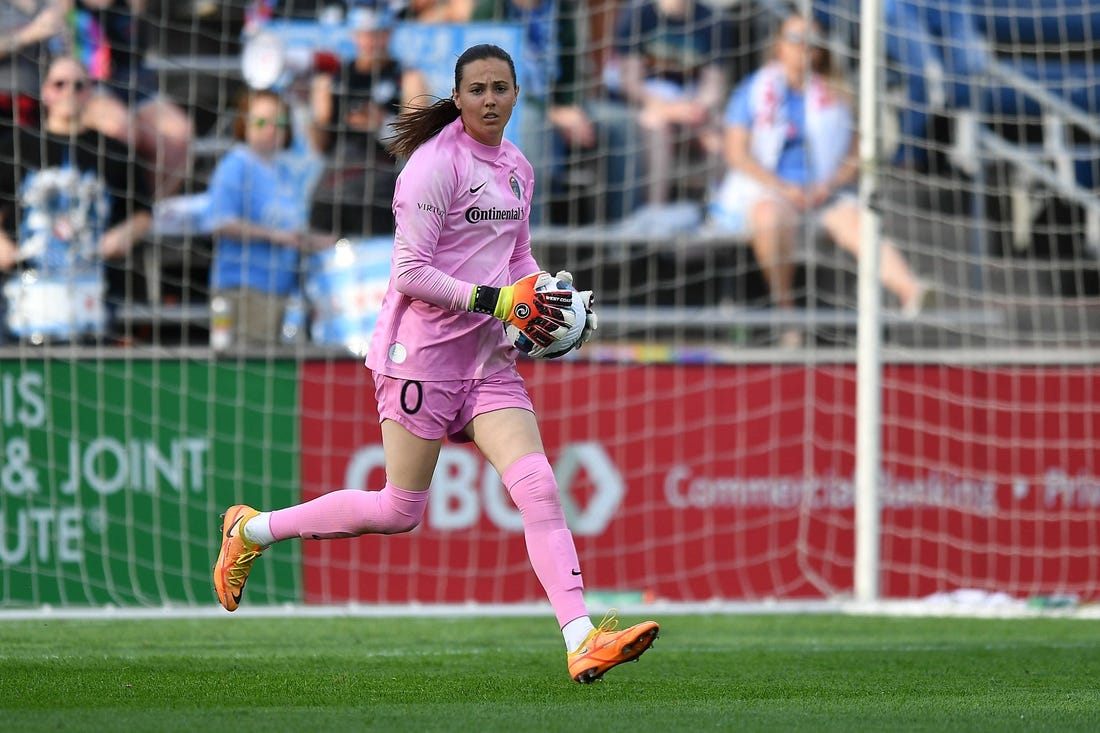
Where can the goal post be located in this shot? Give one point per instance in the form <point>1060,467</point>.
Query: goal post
<point>869,343</point>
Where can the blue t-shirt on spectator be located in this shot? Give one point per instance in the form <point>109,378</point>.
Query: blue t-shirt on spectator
<point>793,165</point>
<point>246,187</point>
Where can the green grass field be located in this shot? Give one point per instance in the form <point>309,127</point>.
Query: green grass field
<point>782,673</point>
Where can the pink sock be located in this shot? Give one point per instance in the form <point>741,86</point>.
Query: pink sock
<point>350,513</point>
<point>531,483</point>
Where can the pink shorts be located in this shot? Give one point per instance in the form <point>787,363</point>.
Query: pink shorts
<point>432,410</point>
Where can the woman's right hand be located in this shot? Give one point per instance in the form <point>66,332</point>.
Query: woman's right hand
<point>316,241</point>
<point>286,238</point>
<point>48,23</point>
<point>302,241</point>
<point>794,195</point>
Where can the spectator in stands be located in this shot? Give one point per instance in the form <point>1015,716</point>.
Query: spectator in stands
<point>107,36</point>
<point>258,217</point>
<point>555,117</point>
<point>25,27</point>
<point>71,198</point>
<point>431,11</point>
<point>791,148</point>
<point>669,66</point>
<point>351,116</point>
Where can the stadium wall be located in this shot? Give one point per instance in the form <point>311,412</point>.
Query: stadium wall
<point>684,483</point>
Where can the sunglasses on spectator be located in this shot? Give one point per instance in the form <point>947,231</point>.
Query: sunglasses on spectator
<point>262,122</point>
<point>796,37</point>
<point>77,84</point>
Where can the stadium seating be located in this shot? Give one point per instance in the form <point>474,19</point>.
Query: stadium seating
<point>1031,118</point>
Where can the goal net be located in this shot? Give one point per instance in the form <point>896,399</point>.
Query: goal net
<point>705,443</point>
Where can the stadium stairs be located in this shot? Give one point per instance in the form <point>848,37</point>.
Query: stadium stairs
<point>1006,212</point>
<point>1036,133</point>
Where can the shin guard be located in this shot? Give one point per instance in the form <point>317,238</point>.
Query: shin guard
<point>532,486</point>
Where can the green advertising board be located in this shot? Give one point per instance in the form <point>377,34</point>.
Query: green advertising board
<point>114,474</point>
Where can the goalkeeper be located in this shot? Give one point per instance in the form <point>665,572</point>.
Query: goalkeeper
<point>442,366</point>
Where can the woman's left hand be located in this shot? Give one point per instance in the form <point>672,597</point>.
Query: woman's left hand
<point>316,241</point>
<point>819,194</point>
<point>590,320</point>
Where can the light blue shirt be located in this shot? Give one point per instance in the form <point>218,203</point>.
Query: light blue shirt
<point>793,165</point>
<point>246,187</point>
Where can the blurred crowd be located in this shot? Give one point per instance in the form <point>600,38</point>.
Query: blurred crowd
<point>652,116</point>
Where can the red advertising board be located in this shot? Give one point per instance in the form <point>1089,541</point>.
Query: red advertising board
<point>697,482</point>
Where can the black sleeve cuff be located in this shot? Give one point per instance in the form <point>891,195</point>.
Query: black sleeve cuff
<point>485,299</point>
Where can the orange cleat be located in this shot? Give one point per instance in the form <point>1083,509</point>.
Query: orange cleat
<point>235,558</point>
<point>605,648</point>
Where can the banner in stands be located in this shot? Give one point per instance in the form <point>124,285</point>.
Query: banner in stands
<point>691,483</point>
<point>114,474</point>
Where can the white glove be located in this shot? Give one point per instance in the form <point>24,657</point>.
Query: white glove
<point>590,320</point>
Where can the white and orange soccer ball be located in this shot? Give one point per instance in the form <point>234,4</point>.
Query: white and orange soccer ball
<point>563,346</point>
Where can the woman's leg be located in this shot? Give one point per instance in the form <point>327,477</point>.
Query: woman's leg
<point>657,138</point>
<point>773,245</point>
<point>246,533</point>
<point>164,138</point>
<point>842,222</point>
<point>398,507</point>
<point>159,131</point>
<point>619,161</point>
<point>109,116</point>
<point>510,440</point>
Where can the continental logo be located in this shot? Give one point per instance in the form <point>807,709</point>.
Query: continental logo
<point>475,214</point>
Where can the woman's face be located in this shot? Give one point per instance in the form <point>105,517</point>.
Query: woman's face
<point>65,90</point>
<point>267,125</point>
<point>793,46</point>
<point>673,8</point>
<point>371,45</point>
<point>486,99</point>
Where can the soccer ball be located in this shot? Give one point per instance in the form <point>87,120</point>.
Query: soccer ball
<point>558,348</point>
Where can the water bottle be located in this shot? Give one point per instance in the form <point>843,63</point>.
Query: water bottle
<point>221,323</point>
<point>294,320</point>
<point>1054,601</point>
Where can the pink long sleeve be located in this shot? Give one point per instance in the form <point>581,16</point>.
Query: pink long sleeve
<point>461,212</point>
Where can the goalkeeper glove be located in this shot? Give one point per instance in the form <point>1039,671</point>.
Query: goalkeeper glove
<point>545,316</point>
<point>590,315</point>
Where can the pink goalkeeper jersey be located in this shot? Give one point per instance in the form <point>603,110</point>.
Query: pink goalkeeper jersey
<point>461,210</point>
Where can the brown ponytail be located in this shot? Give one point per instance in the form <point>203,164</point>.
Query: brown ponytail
<point>417,125</point>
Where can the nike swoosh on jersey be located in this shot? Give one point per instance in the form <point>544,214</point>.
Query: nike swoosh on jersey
<point>475,189</point>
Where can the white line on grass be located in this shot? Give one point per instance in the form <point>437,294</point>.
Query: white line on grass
<point>657,609</point>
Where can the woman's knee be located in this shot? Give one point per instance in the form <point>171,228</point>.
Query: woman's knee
<point>400,523</point>
<point>399,511</point>
<point>542,493</point>
<point>534,489</point>
<point>842,223</point>
<point>165,121</point>
<point>770,216</point>
<point>108,116</point>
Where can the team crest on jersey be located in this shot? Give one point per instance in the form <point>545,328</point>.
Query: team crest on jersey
<point>513,183</point>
